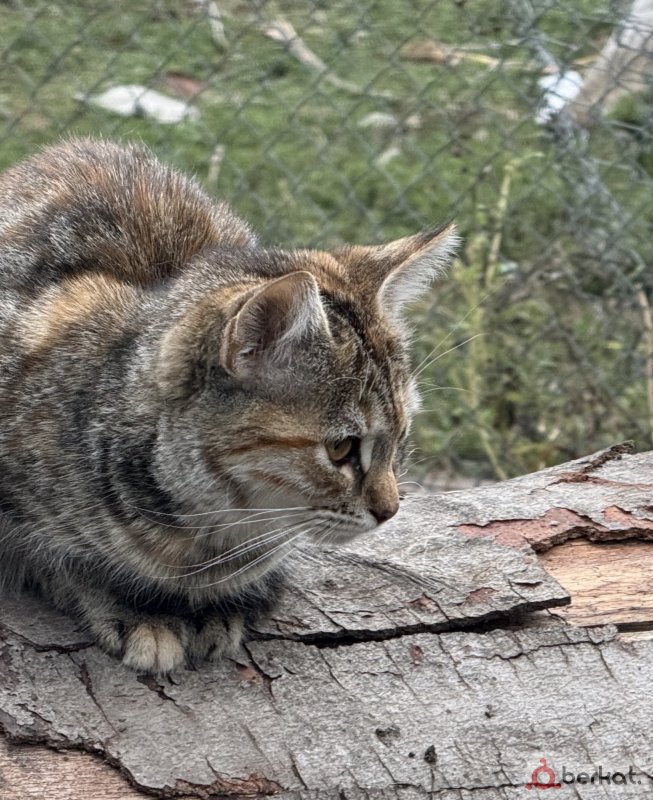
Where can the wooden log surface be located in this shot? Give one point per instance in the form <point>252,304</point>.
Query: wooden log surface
<point>415,664</point>
<point>610,583</point>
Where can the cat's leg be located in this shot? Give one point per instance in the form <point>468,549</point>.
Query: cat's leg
<point>145,642</point>
<point>219,631</point>
<point>152,643</point>
<point>216,637</point>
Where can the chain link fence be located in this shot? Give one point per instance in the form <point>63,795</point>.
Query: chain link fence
<point>529,121</point>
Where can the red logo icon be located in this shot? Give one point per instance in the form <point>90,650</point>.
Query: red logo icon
<point>543,777</point>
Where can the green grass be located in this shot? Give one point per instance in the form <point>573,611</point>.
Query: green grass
<point>556,368</point>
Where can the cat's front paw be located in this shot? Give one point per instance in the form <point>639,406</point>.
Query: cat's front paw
<point>151,644</point>
<point>154,647</point>
<point>218,638</point>
<point>158,643</point>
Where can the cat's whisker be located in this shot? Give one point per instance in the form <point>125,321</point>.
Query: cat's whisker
<point>250,564</point>
<point>364,383</point>
<point>433,387</point>
<point>409,454</point>
<point>216,561</point>
<point>209,530</point>
<point>238,551</point>
<point>455,328</point>
<point>216,526</point>
<point>433,411</point>
<point>260,515</point>
<point>443,389</point>
<point>215,511</point>
<point>413,483</point>
<point>432,361</point>
<point>251,543</point>
<point>323,535</point>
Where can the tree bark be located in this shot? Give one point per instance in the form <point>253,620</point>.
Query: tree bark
<point>419,663</point>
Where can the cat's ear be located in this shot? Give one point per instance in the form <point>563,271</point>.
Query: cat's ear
<point>396,273</point>
<point>272,324</point>
<point>414,261</point>
<point>256,334</point>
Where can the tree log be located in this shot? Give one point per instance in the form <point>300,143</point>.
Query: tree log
<point>418,663</point>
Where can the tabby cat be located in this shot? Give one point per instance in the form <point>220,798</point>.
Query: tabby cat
<point>180,405</point>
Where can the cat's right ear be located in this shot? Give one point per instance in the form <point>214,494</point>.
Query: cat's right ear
<point>393,275</point>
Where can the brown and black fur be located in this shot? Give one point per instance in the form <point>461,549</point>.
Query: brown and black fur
<point>163,377</point>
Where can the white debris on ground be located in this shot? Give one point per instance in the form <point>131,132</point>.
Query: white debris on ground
<point>134,100</point>
<point>558,89</point>
<point>378,119</point>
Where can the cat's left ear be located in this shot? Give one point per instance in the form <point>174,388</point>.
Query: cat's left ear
<point>276,321</point>
<point>396,273</point>
<point>269,326</point>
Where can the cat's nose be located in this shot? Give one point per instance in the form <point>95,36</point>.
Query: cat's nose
<point>382,496</point>
<point>384,514</point>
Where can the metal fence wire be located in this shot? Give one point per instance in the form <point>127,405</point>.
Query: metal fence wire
<point>324,121</point>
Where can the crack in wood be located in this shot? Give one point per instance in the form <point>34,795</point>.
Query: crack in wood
<point>493,620</point>
<point>87,683</point>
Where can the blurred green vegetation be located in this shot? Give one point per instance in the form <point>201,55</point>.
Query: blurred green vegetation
<point>534,345</point>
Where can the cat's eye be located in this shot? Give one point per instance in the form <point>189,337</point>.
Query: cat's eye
<point>341,450</point>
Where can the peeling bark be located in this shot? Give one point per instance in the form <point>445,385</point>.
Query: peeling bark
<point>409,667</point>
<point>609,582</point>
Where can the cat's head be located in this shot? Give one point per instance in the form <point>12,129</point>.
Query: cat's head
<point>291,388</point>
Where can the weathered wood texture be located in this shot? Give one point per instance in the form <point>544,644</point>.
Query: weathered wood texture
<point>609,583</point>
<point>34,772</point>
<point>405,668</point>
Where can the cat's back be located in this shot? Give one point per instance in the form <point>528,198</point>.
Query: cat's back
<point>87,206</point>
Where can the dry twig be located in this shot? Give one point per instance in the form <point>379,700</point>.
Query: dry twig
<point>282,31</point>
<point>436,52</point>
<point>215,162</point>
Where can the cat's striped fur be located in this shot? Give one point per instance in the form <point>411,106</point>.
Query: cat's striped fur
<point>175,399</point>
